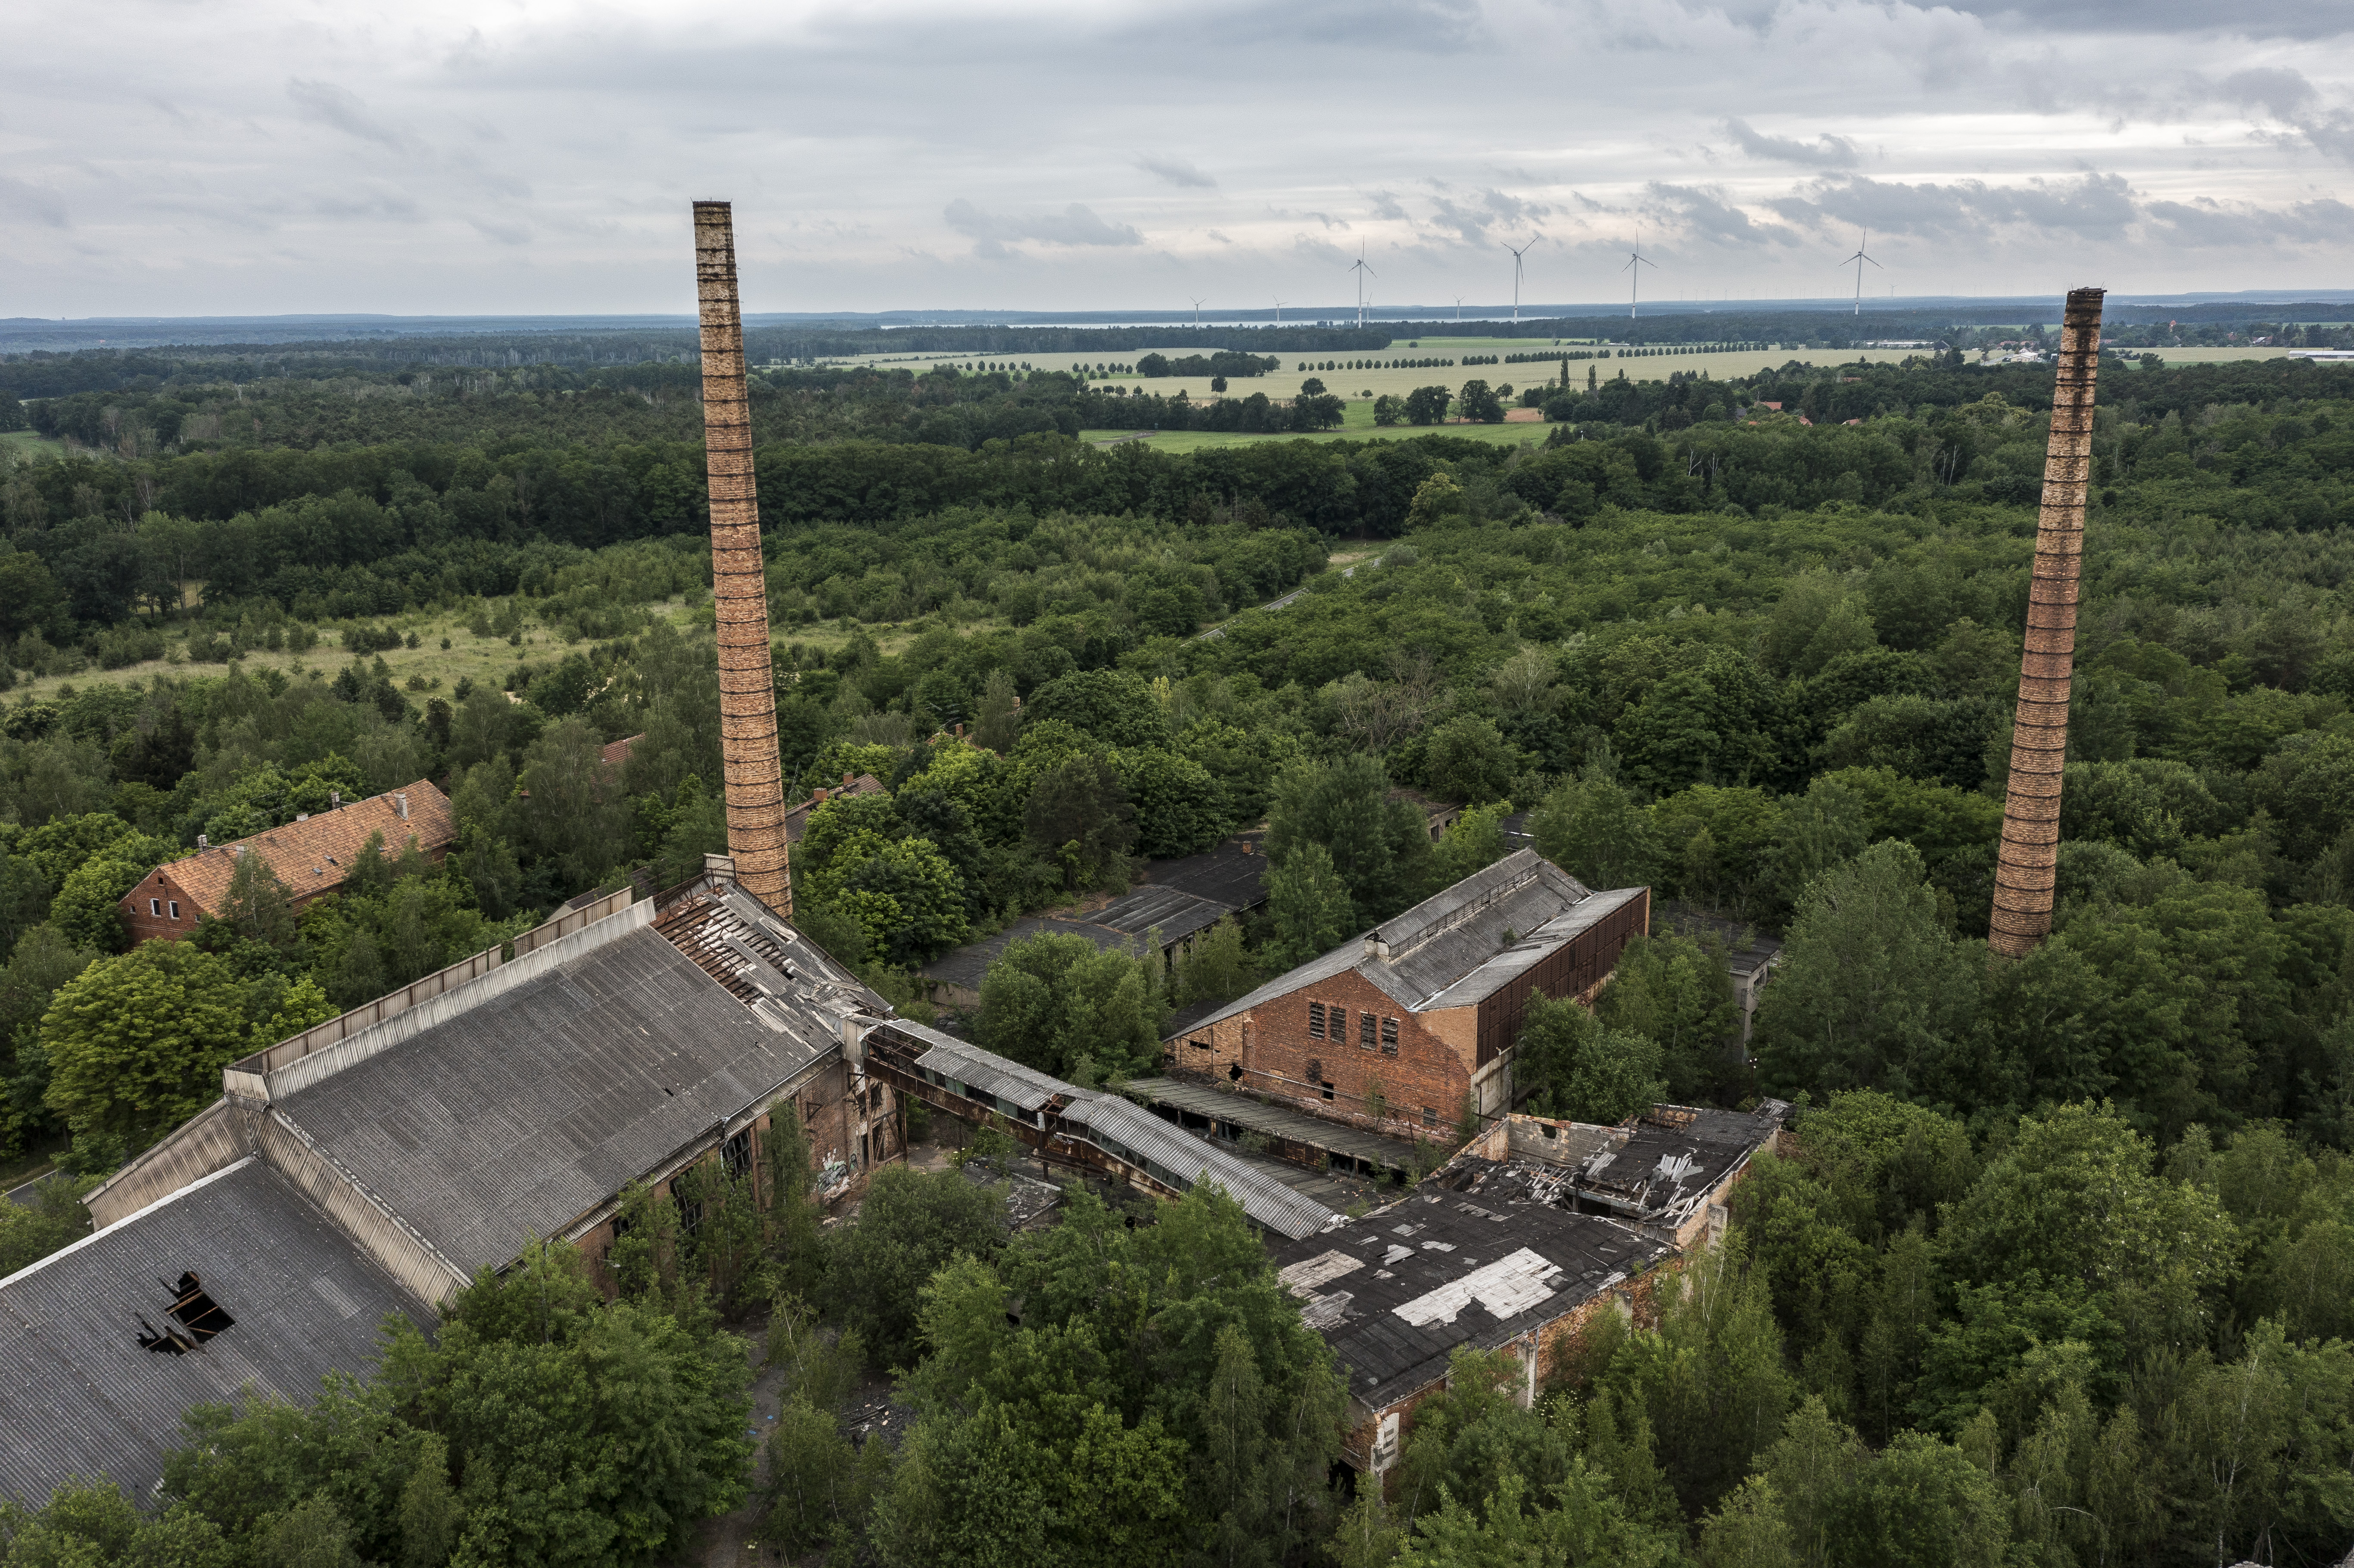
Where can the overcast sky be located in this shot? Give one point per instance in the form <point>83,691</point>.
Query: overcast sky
<point>194,157</point>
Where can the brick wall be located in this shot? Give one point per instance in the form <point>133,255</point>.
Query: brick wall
<point>844,1117</point>
<point>1276,1053</point>
<point>145,923</point>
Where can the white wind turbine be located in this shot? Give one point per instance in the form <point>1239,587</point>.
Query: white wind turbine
<point>1859,258</point>
<point>1197,310</point>
<point>1516,272</point>
<point>1278,312</point>
<point>1636,262</point>
<point>1360,270</point>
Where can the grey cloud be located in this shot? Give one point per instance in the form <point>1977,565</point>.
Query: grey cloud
<point>2093,205</point>
<point>1473,221</point>
<point>32,203</point>
<point>1177,172</point>
<point>2207,222</point>
<point>2273,19</point>
<point>378,201</point>
<point>1825,152</point>
<point>1219,237</point>
<point>1706,215</point>
<point>2275,88</point>
<point>504,232</point>
<point>1075,225</point>
<point>324,104</point>
<point>1385,206</point>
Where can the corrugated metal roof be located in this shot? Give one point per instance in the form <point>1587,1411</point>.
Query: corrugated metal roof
<point>1174,914</point>
<point>81,1396</point>
<point>1133,1133</point>
<point>517,1117</point>
<point>990,1074</point>
<point>1531,947</point>
<point>1450,949</point>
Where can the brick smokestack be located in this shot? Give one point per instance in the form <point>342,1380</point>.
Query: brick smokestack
<point>739,592</point>
<point>2029,863</point>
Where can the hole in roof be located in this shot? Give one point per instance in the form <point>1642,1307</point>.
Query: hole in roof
<point>195,1316</point>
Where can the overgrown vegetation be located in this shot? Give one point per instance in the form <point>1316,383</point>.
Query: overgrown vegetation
<point>2057,1272</point>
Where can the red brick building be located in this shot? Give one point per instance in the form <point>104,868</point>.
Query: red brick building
<point>1423,1011</point>
<point>311,854</point>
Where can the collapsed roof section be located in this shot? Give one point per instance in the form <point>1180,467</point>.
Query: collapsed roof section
<point>1398,1292</point>
<point>237,1282</point>
<point>1460,945</point>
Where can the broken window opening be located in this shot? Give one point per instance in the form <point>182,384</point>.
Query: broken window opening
<point>736,1154</point>
<point>1366,1025</point>
<point>1327,1087</point>
<point>1316,1021</point>
<point>1389,1036</point>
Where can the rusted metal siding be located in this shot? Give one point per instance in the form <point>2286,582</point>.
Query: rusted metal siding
<point>2029,861</point>
<point>739,592</point>
<point>1580,965</point>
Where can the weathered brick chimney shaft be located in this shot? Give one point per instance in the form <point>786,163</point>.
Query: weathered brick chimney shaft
<point>739,592</point>
<point>2029,862</point>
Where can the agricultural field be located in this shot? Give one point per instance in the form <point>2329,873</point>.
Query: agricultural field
<point>1364,385</point>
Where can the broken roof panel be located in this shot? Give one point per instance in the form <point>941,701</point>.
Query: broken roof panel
<point>1398,1291</point>
<point>1172,1155</point>
<point>1458,946</point>
<point>82,1396</point>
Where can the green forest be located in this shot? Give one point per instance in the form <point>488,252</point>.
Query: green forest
<point>2056,1269</point>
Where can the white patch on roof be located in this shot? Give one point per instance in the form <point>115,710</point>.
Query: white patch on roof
<point>1506,1288</point>
<point>1304,1278</point>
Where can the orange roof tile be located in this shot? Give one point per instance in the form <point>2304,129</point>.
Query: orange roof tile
<point>797,817</point>
<point>312,856</point>
<point>616,752</point>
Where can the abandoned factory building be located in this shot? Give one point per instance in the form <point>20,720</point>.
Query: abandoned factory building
<point>1420,1015</point>
<point>1399,1291</point>
<point>376,1163</point>
<point>373,1164</point>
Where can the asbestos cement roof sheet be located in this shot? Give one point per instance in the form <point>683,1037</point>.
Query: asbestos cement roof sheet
<point>1398,1291</point>
<point>983,1072</point>
<point>1174,914</point>
<point>1232,873</point>
<point>1531,947</point>
<point>969,966</point>
<point>80,1395</point>
<point>1127,1129</point>
<point>518,1116</point>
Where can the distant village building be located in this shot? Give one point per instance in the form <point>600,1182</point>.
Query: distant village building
<point>1425,1008</point>
<point>615,754</point>
<point>310,855</point>
<point>797,818</point>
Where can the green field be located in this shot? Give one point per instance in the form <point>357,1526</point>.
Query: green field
<point>1365,384</point>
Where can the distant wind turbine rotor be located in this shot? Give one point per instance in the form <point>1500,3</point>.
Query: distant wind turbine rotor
<point>1360,268</point>
<point>1278,312</point>
<point>1859,258</point>
<point>1197,310</point>
<point>1523,251</point>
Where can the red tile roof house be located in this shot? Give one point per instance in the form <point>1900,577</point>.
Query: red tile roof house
<point>311,854</point>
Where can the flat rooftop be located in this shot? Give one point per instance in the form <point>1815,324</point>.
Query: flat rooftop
<point>1398,1292</point>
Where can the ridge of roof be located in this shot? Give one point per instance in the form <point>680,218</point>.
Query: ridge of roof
<point>314,854</point>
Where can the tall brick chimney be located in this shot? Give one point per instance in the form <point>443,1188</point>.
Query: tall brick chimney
<point>739,593</point>
<point>2029,862</point>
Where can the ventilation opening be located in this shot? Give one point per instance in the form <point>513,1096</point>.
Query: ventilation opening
<point>195,1317</point>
